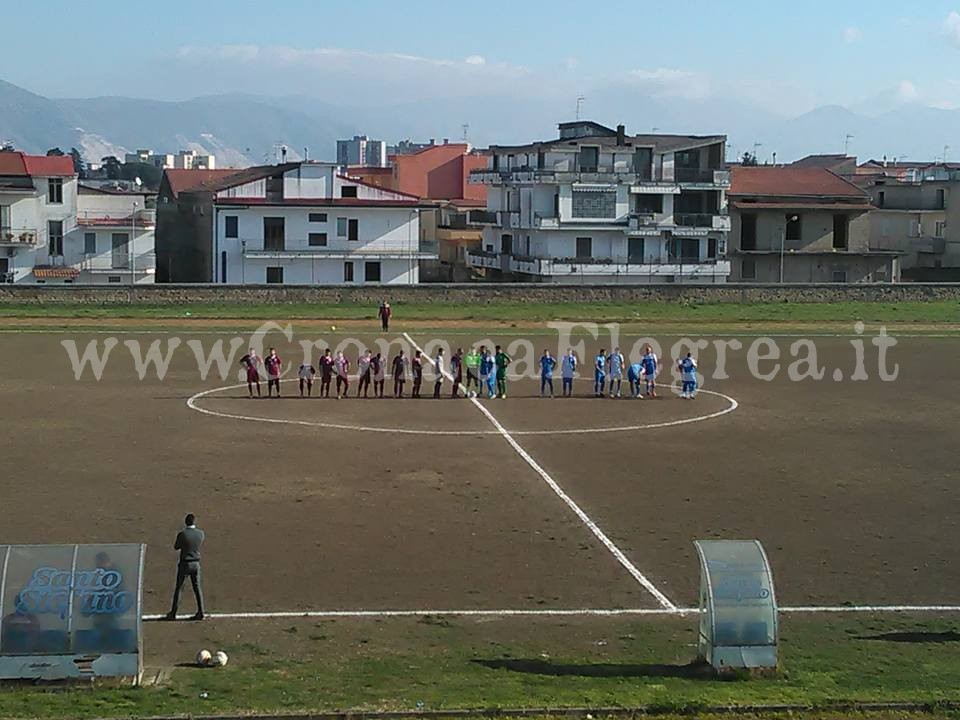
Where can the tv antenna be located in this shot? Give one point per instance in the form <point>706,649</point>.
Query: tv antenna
<point>466,129</point>
<point>846,143</point>
<point>580,99</point>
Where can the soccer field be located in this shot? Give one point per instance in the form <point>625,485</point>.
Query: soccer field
<point>524,504</point>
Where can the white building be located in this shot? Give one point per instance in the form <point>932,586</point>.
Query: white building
<point>304,224</point>
<point>192,160</point>
<point>52,230</point>
<point>597,205</point>
<point>361,150</point>
<point>161,161</point>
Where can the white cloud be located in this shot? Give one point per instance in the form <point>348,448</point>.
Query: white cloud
<point>907,92</point>
<point>476,60</point>
<point>673,82</point>
<point>852,35</point>
<point>952,27</point>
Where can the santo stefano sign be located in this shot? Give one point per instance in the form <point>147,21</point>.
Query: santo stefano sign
<point>70,611</point>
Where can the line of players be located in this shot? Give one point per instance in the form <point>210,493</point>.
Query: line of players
<point>478,372</point>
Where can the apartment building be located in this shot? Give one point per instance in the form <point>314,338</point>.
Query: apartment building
<point>803,225</point>
<point>361,150</point>
<point>295,223</point>
<point>598,205</point>
<point>55,230</point>
<point>917,213</point>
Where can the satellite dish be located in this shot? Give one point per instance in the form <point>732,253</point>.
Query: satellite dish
<point>137,181</point>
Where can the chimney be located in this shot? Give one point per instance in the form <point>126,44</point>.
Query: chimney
<point>621,135</point>
<point>433,141</point>
<point>446,141</point>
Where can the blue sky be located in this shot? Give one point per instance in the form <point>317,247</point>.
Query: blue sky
<point>783,57</point>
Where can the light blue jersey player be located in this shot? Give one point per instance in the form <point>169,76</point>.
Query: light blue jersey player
<point>488,374</point>
<point>599,373</point>
<point>615,362</point>
<point>634,374</point>
<point>688,376</point>
<point>650,366</point>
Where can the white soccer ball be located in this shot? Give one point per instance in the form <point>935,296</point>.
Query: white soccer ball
<point>333,328</point>
<point>204,657</point>
<point>220,659</point>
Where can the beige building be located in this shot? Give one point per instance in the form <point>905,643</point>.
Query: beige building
<point>915,215</point>
<point>803,225</point>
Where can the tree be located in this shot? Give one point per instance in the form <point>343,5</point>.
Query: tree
<point>111,166</point>
<point>149,175</point>
<point>748,159</point>
<point>78,165</point>
<point>55,152</point>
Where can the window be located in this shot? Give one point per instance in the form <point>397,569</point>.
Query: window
<point>275,275</point>
<point>89,243</point>
<point>55,235</point>
<point>589,159</point>
<point>940,229</point>
<point>348,191</point>
<point>841,228</point>
<point>353,231</point>
<point>839,276</point>
<point>317,239</point>
<point>748,232</point>
<point>113,279</point>
<point>649,204</point>
<point>881,199</point>
<point>371,271</point>
<point>684,250</point>
<point>793,228</point>
<point>55,191</point>
<point>711,248</point>
<point>941,199</point>
<point>348,272</point>
<point>643,163</point>
<point>273,233</point>
<point>748,270</point>
<point>318,217</point>
<point>588,204</point>
<point>230,226</point>
<point>341,227</point>
<point>584,248</point>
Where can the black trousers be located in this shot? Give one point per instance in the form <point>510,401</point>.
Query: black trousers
<point>185,570</point>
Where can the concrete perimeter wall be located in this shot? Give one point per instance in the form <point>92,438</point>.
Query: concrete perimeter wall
<point>471,293</point>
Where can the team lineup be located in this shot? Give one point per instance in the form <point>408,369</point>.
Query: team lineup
<point>480,372</point>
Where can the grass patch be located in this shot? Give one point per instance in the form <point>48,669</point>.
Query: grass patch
<point>939,311</point>
<point>405,664</point>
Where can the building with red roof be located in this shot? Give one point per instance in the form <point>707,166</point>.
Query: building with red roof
<point>802,224</point>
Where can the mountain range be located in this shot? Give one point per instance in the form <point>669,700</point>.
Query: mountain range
<point>246,129</point>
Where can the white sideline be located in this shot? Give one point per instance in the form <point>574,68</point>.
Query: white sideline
<point>600,535</point>
<point>582,612</point>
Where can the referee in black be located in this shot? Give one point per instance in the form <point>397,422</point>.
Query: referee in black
<point>188,543</point>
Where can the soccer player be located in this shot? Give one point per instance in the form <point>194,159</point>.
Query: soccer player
<point>634,373</point>
<point>385,313</point>
<point>472,361</point>
<point>688,375</point>
<point>438,369</point>
<point>251,361</point>
<point>326,373</point>
<point>274,366</point>
<point>650,366</point>
<point>502,361</point>
<point>378,371</point>
<point>456,369</point>
<point>615,361</point>
<point>547,366</point>
<point>306,373</point>
<point>399,372</point>
<point>341,366</point>
<point>363,372</point>
<point>488,373</point>
<point>568,368</point>
<point>599,373</point>
<point>417,367</point>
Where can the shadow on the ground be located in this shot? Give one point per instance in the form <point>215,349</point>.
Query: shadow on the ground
<point>915,637</point>
<point>692,671</point>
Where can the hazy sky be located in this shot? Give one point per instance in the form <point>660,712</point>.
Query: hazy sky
<point>783,57</point>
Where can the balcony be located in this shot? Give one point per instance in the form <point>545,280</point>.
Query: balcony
<point>141,218</point>
<point>562,175</point>
<point>702,176</point>
<point>484,259</point>
<point>709,221</point>
<point>546,222</point>
<point>19,237</point>
<point>594,268</point>
<point>300,249</point>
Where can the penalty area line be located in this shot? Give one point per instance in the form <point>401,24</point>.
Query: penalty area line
<point>591,525</point>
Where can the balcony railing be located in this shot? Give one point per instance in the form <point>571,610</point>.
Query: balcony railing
<point>702,176</point>
<point>141,218</point>
<point>700,220</point>
<point>26,237</point>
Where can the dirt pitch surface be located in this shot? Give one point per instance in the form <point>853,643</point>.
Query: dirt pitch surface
<point>851,486</point>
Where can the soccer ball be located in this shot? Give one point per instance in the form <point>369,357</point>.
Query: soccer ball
<point>220,659</point>
<point>204,657</point>
<point>333,328</point>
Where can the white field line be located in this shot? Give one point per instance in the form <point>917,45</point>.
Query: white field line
<point>192,403</point>
<point>591,525</point>
<point>577,612</point>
